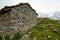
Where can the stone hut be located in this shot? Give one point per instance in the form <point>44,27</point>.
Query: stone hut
<point>21,17</point>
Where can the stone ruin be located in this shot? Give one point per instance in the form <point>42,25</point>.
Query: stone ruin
<point>21,17</point>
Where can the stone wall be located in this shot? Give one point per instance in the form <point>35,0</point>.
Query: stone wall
<point>17,18</point>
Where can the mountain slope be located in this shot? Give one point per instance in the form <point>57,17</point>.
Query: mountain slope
<point>56,15</point>
<point>46,29</point>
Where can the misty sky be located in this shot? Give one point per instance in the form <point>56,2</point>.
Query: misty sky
<point>44,6</point>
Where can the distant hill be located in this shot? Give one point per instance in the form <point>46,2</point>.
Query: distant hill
<point>56,15</point>
<point>42,15</point>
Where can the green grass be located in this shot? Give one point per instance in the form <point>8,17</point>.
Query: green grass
<point>46,29</point>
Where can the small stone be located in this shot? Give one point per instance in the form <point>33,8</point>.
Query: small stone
<point>49,36</point>
<point>26,35</point>
<point>55,30</point>
<point>34,38</point>
<point>29,32</point>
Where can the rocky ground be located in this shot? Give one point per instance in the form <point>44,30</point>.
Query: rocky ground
<point>46,29</point>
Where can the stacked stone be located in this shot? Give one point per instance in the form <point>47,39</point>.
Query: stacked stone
<point>17,18</point>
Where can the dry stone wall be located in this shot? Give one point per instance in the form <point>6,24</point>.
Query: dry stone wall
<point>17,18</point>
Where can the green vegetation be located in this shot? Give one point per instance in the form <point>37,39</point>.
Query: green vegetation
<point>46,29</point>
<point>7,37</point>
<point>16,36</point>
<point>0,37</point>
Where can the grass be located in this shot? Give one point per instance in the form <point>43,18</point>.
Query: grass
<point>46,29</point>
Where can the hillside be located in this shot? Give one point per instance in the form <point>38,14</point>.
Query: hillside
<point>46,29</point>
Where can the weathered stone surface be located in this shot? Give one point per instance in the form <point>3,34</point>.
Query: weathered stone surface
<point>17,18</point>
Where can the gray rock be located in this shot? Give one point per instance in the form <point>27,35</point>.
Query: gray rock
<point>17,18</point>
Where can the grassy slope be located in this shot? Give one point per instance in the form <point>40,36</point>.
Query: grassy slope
<point>46,29</point>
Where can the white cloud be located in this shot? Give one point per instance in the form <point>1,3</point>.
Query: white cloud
<point>44,6</point>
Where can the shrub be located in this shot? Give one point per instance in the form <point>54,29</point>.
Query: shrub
<point>17,36</point>
<point>7,37</point>
<point>0,37</point>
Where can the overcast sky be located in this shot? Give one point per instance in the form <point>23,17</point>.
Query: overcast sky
<point>44,6</point>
